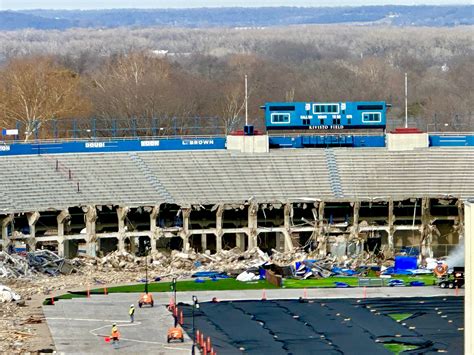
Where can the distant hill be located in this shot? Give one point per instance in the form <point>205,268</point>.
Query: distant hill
<point>436,16</point>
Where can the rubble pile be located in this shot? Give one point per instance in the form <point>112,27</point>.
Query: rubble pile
<point>30,264</point>
<point>14,266</point>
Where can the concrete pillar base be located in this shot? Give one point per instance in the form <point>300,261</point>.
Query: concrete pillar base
<point>203,242</point>
<point>218,242</point>
<point>240,241</point>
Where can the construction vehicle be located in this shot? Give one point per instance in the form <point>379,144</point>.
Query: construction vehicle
<point>175,333</point>
<point>146,299</point>
<point>453,279</point>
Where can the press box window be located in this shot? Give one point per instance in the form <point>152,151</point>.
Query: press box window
<point>280,118</point>
<point>326,108</point>
<point>371,117</point>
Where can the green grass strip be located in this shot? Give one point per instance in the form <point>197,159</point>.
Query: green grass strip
<point>399,348</point>
<point>207,285</point>
<point>400,316</point>
<point>352,281</point>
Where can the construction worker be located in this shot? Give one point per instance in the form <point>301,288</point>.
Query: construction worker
<point>115,335</point>
<point>131,312</point>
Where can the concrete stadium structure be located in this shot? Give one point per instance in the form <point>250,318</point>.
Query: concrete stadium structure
<point>339,200</point>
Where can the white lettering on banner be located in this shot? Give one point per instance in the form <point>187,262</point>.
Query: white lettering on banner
<point>95,145</point>
<point>198,142</point>
<point>306,117</point>
<point>4,148</point>
<point>150,143</point>
<point>323,127</point>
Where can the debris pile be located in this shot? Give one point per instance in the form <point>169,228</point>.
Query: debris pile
<point>14,266</point>
<point>42,261</point>
<point>7,295</point>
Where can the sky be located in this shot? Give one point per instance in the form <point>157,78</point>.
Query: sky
<point>108,4</point>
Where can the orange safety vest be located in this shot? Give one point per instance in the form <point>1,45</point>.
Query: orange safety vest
<point>115,333</point>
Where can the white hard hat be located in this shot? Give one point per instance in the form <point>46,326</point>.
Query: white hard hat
<point>131,305</point>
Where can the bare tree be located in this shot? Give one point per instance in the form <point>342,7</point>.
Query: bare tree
<point>35,90</point>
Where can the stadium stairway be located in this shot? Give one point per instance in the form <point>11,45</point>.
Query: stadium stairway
<point>145,169</point>
<point>335,179</point>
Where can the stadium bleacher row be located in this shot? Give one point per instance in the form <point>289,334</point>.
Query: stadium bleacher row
<point>42,182</point>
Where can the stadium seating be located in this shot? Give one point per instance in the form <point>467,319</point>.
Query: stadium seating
<point>42,182</point>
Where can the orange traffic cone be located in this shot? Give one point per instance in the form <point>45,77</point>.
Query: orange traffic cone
<point>52,300</point>
<point>105,291</point>
<point>264,295</point>
<point>305,293</point>
<point>208,343</point>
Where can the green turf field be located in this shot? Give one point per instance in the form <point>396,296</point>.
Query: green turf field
<point>232,284</point>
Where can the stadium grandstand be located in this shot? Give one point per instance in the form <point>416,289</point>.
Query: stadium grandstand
<point>338,200</point>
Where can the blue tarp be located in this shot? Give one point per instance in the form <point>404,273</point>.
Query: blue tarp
<point>346,272</point>
<point>210,274</point>
<point>405,263</point>
<point>393,271</point>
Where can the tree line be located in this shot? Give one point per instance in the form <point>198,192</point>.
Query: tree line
<point>201,75</point>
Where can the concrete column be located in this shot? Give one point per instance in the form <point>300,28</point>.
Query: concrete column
<point>218,242</point>
<point>391,227</point>
<point>280,241</point>
<point>426,229</point>
<point>219,232</point>
<point>121,215</point>
<point>153,215</point>
<point>204,242</point>
<point>153,228</point>
<point>286,236</point>
<point>184,234</point>
<point>63,246</point>
<point>133,246</point>
<point>240,241</point>
<point>320,235</point>
<point>354,229</point>
<point>5,237</point>
<point>91,241</point>
<point>32,219</point>
<point>469,278</point>
<point>252,225</point>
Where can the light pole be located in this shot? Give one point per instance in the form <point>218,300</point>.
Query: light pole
<point>173,288</point>
<point>195,305</point>
<point>146,269</point>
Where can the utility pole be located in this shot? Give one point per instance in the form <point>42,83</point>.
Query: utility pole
<point>406,100</point>
<point>246,102</point>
